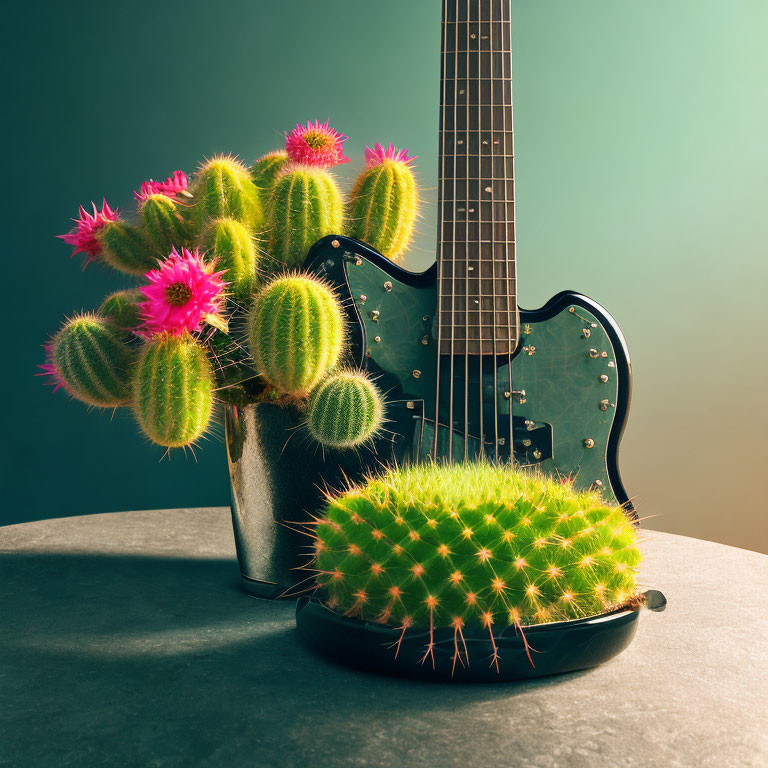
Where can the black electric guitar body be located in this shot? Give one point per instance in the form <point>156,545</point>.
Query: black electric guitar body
<point>467,372</point>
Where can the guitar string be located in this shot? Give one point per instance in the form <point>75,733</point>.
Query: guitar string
<point>453,240</point>
<point>479,217</point>
<point>441,219</point>
<point>493,256</point>
<point>508,57</point>
<point>466,247</point>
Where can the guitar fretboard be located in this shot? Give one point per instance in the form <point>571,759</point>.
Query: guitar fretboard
<point>478,297</point>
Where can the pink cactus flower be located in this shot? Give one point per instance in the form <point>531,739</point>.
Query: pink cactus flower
<point>82,237</point>
<point>316,144</point>
<point>181,292</point>
<point>172,186</point>
<point>49,369</point>
<point>377,155</point>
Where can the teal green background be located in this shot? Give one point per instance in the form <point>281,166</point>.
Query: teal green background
<point>642,180</point>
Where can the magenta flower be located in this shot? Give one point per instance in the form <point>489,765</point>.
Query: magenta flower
<point>378,155</point>
<point>49,369</point>
<point>82,237</point>
<point>316,144</point>
<point>182,291</point>
<point>172,186</point>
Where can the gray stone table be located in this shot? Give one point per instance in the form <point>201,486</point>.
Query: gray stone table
<point>125,640</point>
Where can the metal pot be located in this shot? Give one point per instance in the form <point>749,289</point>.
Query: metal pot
<point>277,473</point>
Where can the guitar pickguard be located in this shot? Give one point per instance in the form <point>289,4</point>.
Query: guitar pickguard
<point>569,386</point>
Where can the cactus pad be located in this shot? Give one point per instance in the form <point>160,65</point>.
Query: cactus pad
<point>345,410</point>
<point>224,189</point>
<point>383,204</point>
<point>266,169</point>
<point>296,333</point>
<point>231,246</point>
<point>164,223</point>
<point>122,309</point>
<point>90,357</point>
<point>126,248</point>
<point>173,390</point>
<point>305,205</point>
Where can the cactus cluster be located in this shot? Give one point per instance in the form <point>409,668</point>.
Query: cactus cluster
<point>478,546</point>
<point>221,311</point>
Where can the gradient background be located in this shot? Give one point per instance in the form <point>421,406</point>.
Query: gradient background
<point>642,181</point>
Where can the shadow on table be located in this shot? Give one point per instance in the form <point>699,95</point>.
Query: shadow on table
<point>103,647</point>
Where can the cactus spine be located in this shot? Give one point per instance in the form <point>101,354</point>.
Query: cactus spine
<point>345,410</point>
<point>296,333</point>
<point>305,205</point>
<point>231,246</point>
<point>126,247</point>
<point>383,206</point>
<point>173,390</point>
<point>473,544</point>
<point>266,169</point>
<point>164,223</point>
<point>91,358</point>
<point>122,309</point>
<point>224,189</point>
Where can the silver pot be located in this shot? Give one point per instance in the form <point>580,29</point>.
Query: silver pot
<point>277,472</point>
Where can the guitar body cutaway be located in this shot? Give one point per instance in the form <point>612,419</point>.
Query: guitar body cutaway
<point>568,383</point>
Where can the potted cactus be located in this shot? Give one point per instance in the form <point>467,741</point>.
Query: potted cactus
<point>223,324</point>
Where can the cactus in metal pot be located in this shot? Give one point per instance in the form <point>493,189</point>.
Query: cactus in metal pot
<point>224,189</point>
<point>231,246</point>
<point>89,357</point>
<point>345,410</point>
<point>383,205</point>
<point>305,205</point>
<point>296,333</point>
<point>173,390</point>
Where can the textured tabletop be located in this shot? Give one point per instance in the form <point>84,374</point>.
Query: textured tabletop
<point>125,640</point>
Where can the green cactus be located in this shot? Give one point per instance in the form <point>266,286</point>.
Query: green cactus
<point>383,204</point>
<point>164,223</point>
<point>90,357</point>
<point>474,544</point>
<point>224,189</point>
<point>126,248</point>
<point>305,205</point>
<point>345,410</point>
<point>122,309</point>
<point>232,246</point>
<point>266,169</point>
<point>173,390</point>
<point>296,333</point>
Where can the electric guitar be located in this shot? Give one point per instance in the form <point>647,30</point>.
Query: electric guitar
<point>467,372</point>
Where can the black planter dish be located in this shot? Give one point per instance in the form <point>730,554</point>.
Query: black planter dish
<point>555,648</point>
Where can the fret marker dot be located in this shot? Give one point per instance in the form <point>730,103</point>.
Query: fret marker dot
<point>489,189</point>
<point>462,91</point>
<point>461,141</point>
<point>471,210</point>
<point>473,35</point>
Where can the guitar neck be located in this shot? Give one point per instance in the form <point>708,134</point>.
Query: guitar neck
<point>478,311</point>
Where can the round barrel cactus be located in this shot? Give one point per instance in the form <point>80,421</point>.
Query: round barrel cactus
<point>90,358</point>
<point>383,204</point>
<point>296,333</point>
<point>231,246</point>
<point>305,205</point>
<point>173,390</point>
<point>224,189</point>
<point>473,545</point>
<point>345,410</point>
